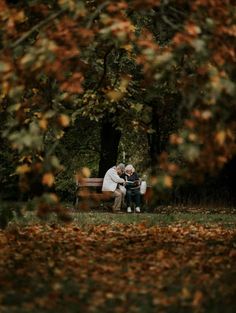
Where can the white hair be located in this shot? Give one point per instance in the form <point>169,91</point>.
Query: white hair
<point>129,167</point>
<point>121,166</point>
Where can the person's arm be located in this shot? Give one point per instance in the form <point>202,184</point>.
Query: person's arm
<point>116,178</point>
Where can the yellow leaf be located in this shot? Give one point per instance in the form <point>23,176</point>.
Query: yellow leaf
<point>186,293</point>
<point>54,197</point>
<point>38,114</point>
<point>56,286</point>
<point>124,83</point>
<point>27,58</point>
<point>4,67</point>
<point>168,181</point>
<point>86,172</point>
<point>22,169</point>
<point>206,115</point>
<point>220,137</point>
<point>127,47</point>
<point>20,16</point>
<point>192,137</point>
<point>35,90</point>
<point>115,95</point>
<point>60,134</point>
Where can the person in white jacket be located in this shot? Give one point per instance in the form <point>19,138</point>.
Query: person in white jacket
<point>110,185</point>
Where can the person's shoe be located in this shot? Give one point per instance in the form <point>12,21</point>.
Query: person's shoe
<point>137,209</point>
<point>129,210</point>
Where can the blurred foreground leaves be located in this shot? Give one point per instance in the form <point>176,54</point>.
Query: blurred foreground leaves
<point>112,268</point>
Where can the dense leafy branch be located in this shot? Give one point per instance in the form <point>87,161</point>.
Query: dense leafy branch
<point>37,27</point>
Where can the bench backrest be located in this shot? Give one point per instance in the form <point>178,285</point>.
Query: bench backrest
<point>90,182</point>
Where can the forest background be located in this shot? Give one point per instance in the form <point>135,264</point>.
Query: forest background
<point>87,84</point>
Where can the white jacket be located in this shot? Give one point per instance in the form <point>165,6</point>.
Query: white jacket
<point>111,179</point>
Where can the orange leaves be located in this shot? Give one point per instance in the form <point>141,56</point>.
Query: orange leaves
<point>176,139</point>
<point>197,299</point>
<point>182,266</point>
<point>220,137</point>
<point>122,29</point>
<point>116,7</point>
<point>140,4</point>
<point>86,34</point>
<point>191,32</point>
<point>168,181</point>
<point>64,120</point>
<point>192,29</point>
<point>43,123</point>
<point>73,84</point>
<point>48,179</point>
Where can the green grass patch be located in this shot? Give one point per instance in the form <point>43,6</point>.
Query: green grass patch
<point>83,219</point>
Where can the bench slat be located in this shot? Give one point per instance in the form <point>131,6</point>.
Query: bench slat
<point>85,184</point>
<point>90,182</point>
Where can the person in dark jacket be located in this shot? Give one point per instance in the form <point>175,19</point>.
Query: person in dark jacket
<point>132,185</point>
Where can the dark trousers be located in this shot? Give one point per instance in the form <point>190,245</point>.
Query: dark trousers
<point>133,194</point>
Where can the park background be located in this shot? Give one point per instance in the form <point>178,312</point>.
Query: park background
<point>85,85</point>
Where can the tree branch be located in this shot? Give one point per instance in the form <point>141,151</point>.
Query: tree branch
<point>96,12</point>
<point>104,67</point>
<point>36,27</point>
<point>166,20</point>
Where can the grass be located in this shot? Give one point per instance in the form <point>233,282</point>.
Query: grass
<point>83,219</point>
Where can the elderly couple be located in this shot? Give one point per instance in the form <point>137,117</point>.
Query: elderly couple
<point>121,175</point>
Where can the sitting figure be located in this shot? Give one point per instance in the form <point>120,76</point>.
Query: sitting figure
<point>111,183</point>
<point>132,185</point>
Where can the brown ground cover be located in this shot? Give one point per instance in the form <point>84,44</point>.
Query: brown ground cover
<point>118,268</point>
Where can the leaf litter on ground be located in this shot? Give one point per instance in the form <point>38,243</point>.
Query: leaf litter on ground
<point>117,267</point>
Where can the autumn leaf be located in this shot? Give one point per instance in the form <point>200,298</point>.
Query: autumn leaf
<point>64,120</point>
<point>4,67</point>
<point>220,137</point>
<point>48,179</point>
<point>22,169</point>
<point>115,95</point>
<point>43,123</point>
<point>85,171</point>
<point>168,181</point>
<point>197,299</point>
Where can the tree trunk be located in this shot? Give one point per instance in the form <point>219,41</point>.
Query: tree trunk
<point>154,139</point>
<point>110,138</point>
<point>164,122</point>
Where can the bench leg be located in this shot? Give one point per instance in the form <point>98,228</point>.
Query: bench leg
<point>76,203</point>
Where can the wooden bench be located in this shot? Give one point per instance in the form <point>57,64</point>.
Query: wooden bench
<point>89,193</point>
